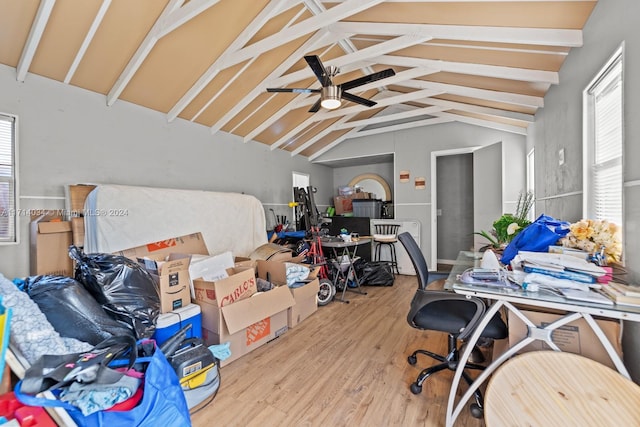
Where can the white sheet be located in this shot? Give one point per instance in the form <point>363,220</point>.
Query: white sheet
<point>119,217</point>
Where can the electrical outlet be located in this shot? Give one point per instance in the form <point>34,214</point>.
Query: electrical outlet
<point>439,212</point>
<point>561,156</point>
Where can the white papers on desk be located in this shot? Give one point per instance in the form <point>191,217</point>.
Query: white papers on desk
<point>558,262</point>
<point>553,282</point>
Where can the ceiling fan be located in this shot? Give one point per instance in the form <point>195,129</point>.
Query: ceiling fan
<point>331,95</point>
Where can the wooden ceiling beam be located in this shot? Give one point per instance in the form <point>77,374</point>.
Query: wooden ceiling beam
<point>484,123</point>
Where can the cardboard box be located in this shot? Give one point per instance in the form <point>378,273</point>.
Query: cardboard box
<point>240,284</point>
<point>246,323</point>
<point>344,203</point>
<point>49,241</point>
<point>274,252</point>
<point>192,244</point>
<point>305,297</point>
<point>172,276</point>
<point>576,337</point>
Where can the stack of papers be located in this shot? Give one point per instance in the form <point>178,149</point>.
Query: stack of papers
<point>566,275</point>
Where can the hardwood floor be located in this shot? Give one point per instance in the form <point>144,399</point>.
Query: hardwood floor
<point>346,365</point>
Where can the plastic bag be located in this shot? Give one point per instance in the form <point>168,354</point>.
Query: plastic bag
<point>376,273</point>
<point>72,310</point>
<point>163,401</point>
<point>122,286</point>
<point>536,237</point>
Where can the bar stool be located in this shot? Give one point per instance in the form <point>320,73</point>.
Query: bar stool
<point>386,235</point>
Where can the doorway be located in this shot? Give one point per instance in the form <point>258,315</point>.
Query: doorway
<point>452,204</point>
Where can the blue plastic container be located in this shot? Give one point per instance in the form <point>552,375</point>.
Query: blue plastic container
<point>168,324</point>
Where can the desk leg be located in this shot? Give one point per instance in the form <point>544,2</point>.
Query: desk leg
<point>452,413</point>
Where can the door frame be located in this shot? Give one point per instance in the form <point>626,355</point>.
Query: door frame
<point>434,196</point>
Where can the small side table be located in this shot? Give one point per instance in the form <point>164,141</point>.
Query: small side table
<point>348,250</point>
<point>553,388</point>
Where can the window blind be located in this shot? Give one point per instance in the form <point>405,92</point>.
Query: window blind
<point>7,179</point>
<point>606,169</point>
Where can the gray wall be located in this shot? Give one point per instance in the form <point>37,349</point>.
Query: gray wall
<point>412,150</point>
<point>68,135</point>
<point>559,125</point>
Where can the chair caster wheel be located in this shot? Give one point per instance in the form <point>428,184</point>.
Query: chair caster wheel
<point>476,410</point>
<point>412,360</point>
<point>415,388</point>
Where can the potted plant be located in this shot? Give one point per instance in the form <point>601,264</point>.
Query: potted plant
<point>509,225</point>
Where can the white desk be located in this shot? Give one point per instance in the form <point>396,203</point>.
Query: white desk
<point>506,298</point>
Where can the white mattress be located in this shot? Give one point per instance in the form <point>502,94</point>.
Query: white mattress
<point>120,217</point>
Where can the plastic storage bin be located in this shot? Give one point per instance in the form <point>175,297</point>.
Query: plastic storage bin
<point>371,208</point>
<point>168,324</point>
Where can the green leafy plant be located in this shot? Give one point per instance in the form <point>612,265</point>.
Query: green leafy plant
<point>509,225</point>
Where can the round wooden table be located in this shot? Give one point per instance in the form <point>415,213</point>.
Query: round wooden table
<point>552,388</point>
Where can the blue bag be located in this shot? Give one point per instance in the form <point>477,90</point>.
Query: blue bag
<point>536,237</point>
<point>163,401</point>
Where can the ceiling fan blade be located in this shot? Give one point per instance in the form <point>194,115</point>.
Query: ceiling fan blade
<point>318,69</point>
<point>368,79</point>
<point>315,107</point>
<point>292,90</point>
<point>358,100</point>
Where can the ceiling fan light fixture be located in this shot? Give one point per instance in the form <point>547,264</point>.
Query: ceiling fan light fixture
<point>331,97</point>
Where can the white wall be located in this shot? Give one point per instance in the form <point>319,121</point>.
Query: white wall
<point>559,125</point>
<point>68,135</point>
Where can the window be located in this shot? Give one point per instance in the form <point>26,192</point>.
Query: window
<point>7,179</point>
<point>603,143</point>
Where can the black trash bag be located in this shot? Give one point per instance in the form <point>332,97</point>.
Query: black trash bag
<point>122,286</point>
<point>72,310</point>
<point>376,273</point>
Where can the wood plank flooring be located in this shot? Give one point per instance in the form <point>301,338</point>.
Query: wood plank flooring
<point>346,365</point>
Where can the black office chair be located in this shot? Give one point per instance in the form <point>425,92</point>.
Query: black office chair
<point>446,311</point>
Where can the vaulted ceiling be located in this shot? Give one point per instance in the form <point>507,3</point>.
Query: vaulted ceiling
<point>486,63</point>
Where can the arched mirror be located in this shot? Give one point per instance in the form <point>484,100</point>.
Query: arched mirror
<point>373,183</point>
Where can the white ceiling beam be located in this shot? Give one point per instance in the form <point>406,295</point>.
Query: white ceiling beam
<point>535,36</point>
<point>469,1</point>
<point>272,9</point>
<point>318,136</point>
<point>357,132</point>
<point>342,11</point>
<point>360,124</point>
<point>488,111</point>
<point>495,71</point>
<point>491,95</point>
<point>35,34</point>
<point>390,117</point>
<point>484,123</point>
<point>304,99</point>
<point>87,39</point>
<point>324,114</point>
<point>316,39</point>
<point>367,53</point>
<point>164,22</point>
